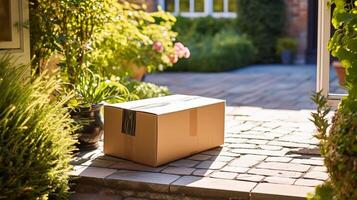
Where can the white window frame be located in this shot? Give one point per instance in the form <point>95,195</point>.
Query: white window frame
<point>225,13</point>
<point>323,54</point>
<point>208,9</point>
<point>15,11</point>
<point>19,47</point>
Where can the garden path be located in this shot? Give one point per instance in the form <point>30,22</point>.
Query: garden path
<point>266,86</point>
<point>268,154</point>
<point>269,151</point>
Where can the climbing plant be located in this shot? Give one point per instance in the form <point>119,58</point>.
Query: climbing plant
<point>343,45</point>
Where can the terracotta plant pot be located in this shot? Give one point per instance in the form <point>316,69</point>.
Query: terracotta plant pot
<point>136,72</point>
<point>92,127</point>
<point>139,73</point>
<point>340,71</point>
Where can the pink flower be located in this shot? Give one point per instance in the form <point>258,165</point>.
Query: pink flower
<point>179,46</point>
<point>181,51</point>
<point>157,46</point>
<point>187,53</point>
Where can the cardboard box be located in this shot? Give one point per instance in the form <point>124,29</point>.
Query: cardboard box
<point>160,130</point>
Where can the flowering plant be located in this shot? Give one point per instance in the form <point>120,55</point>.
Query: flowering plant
<point>135,36</point>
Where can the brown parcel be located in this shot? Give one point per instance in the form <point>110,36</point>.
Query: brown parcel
<point>159,130</point>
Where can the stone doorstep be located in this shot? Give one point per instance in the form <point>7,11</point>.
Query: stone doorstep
<point>184,185</point>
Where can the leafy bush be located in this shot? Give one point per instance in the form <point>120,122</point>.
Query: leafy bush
<point>338,147</point>
<point>225,50</point>
<point>189,29</point>
<point>66,27</point>
<point>342,155</point>
<point>144,90</point>
<point>323,192</point>
<point>36,136</point>
<point>135,37</point>
<point>263,21</point>
<point>339,144</point>
<point>91,89</point>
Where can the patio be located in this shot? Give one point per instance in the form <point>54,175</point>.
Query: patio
<point>63,61</point>
<point>269,150</point>
<point>266,86</point>
<point>268,154</point>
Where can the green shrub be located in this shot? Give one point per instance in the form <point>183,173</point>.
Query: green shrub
<point>66,27</point>
<point>225,50</point>
<point>131,37</point>
<point>263,21</point>
<point>144,90</point>
<point>338,146</point>
<point>36,136</point>
<point>91,90</point>
<point>196,28</point>
<point>323,192</point>
<point>341,157</point>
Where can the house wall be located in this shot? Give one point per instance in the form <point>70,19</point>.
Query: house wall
<point>297,25</point>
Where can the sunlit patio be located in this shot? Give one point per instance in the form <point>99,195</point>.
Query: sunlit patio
<point>268,154</point>
<point>178,99</point>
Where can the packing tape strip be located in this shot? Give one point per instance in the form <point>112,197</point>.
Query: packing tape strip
<point>128,122</point>
<point>129,146</point>
<point>128,129</point>
<point>193,122</point>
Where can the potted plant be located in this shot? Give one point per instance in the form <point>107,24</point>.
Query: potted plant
<point>90,92</point>
<point>286,48</point>
<point>340,71</point>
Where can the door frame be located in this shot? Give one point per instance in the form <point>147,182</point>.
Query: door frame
<point>20,47</point>
<point>323,54</point>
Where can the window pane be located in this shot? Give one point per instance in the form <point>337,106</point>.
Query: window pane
<point>199,5</point>
<point>170,5</point>
<point>232,5</point>
<point>5,19</point>
<point>184,5</point>
<point>218,5</point>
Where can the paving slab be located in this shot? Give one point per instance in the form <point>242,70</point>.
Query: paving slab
<point>213,187</point>
<point>139,180</point>
<point>270,191</point>
<point>230,171</point>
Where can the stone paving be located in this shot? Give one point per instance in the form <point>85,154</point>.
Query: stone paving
<point>268,154</point>
<point>267,86</point>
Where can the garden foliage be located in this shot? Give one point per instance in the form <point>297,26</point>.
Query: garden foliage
<point>102,36</point>
<point>92,89</point>
<point>143,90</point>
<point>263,21</point>
<point>66,27</point>
<point>196,28</point>
<point>339,144</point>
<point>36,134</point>
<point>134,37</point>
<point>215,45</point>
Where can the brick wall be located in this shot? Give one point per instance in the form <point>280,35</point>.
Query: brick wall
<point>296,26</point>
